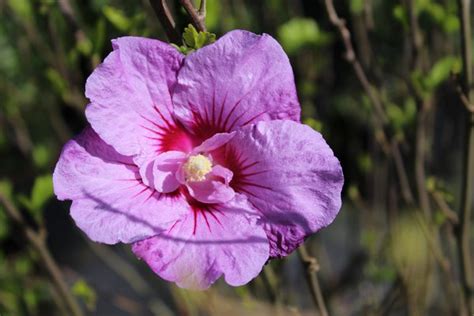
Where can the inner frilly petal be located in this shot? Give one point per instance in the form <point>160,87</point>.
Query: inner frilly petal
<point>160,173</point>
<point>214,142</point>
<point>215,188</point>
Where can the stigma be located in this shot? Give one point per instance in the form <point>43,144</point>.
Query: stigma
<point>197,167</point>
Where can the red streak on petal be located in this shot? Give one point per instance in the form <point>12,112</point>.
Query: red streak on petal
<point>253,118</point>
<point>246,183</point>
<point>230,114</point>
<point>249,165</point>
<point>245,175</point>
<point>162,116</point>
<point>149,197</point>
<point>173,226</point>
<point>215,217</point>
<point>246,191</point>
<point>153,123</point>
<point>140,192</point>
<point>203,212</point>
<point>129,179</point>
<point>195,221</point>
<point>219,120</point>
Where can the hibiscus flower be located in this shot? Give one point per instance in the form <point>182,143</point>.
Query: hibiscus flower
<point>199,161</point>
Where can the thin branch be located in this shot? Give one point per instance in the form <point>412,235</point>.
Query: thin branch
<point>351,57</point>
<point>423,103</point>
<point>198,17</point>
<point>464,230</point>
<point>38,242</point>
<point>380,117</point>
<point>444,207</point>
<point>465,100</point>
<point>202,8</point>
<point>312,266</point>
<point>166,19</point>
<point>404,183</point>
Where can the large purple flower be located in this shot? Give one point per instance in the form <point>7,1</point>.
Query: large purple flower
<point>199,161</point>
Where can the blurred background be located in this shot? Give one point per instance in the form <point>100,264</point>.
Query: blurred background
<point>393,116</point>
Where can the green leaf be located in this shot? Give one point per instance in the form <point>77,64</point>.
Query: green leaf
<point>441,71</point>
<point>117,18</point>
<point>353,192</point>
<point>357,6</point>
<point>41,156</point>
<point>4,225</point>
<point>194,40</point>
<point>84,46</point>
<point>6,188</point>
<point>190,36</point>
<point>314,124</point>
<point>22,8</point>
<point>41,192</point>
<point>364,162</point>
<point>84,291</point>
<point>400,14</point>
<point>300,32</point>
<point>57,81</point>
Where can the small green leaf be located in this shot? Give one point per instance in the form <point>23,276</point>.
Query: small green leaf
<point>190,35</point>
<point>364,162</point>
<point>42,191</point>
<point>314,124</point>
<point>117,18</point>
<point>6,188</point>
<point>57,81</point>
<point>357,6</point>
<point>441,71</point>
<point>400,14</point>
<point>4,225</point>
<point>439,218</point>
<point>22,8</point>
<point>353,192</point>
<point>84,46</point>
<point>451,24</point>
<point>194,40</point>
<point>84,291</point>
<point>300,32</point>
<point>41,156</point>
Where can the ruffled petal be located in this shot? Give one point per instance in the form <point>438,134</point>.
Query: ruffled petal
<point>196,251</point>
<point>215,189</point>
<point>130,95</point>
<point>213,143</point>
<point>110,202</point>
<point>160,173</point>
<point>241,79</point>
<point>290,174</point>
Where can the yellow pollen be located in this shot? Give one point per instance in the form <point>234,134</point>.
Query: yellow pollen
<point>197,167</point>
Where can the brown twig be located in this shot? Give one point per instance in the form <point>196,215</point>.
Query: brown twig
<point>198,17</point>
<point>351,57</point>
<point>424,105</point>
<point>166,19</point>
<point>312,266</point>
<point>380,117</point>
<point>465,100</point>
<point>404,184</point>
<point>38,242</point>
<point>444,207</point>
<point>464,228</point>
